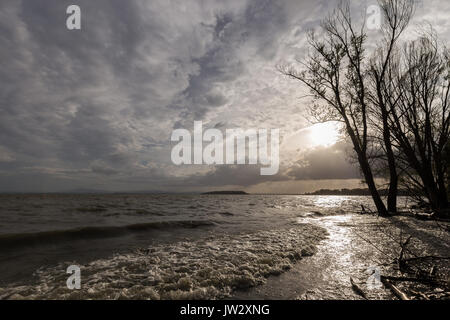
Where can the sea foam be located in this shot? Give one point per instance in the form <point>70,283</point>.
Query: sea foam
<point>209,268</point>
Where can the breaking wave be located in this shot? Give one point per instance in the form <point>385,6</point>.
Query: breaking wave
<point>208,268</point>
<point>20,239</point>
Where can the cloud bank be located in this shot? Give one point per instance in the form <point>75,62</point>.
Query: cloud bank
<point>94,108</point>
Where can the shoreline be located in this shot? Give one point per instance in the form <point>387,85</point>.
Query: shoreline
<point>314,258</point>
<point>355,247</point>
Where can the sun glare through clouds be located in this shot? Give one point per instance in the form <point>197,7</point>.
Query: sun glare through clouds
<point>323,134</point>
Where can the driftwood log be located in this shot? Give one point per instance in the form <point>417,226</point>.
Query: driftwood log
<point>396,291</point>
<point>357,289</point>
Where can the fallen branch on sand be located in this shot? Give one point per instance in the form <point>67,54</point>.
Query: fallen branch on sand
<point>365,211</point>
<point>357,289</point>
<point>426,257</point>
<point>403,245</point>
<point>396,291</point>
<point>413,279</point>
<point>424,296</point>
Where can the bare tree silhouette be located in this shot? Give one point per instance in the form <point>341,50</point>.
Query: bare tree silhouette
<point>340,77</point>
<point>420,117</point>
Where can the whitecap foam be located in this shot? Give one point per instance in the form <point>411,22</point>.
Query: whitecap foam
<point>209,268</point>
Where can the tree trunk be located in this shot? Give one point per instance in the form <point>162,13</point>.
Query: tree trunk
<point>368,176</point>
<point>393,177</point>
<point>443,196</point>
<point>381,208</point>
<point>366,170</point>
<point>392,194</point>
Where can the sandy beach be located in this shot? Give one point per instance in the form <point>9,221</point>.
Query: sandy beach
<point>355,246</point>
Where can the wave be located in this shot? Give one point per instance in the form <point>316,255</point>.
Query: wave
<point>92,209</point>
<point>207,268</point>
<point>22,239</point>
<point>226,213</point>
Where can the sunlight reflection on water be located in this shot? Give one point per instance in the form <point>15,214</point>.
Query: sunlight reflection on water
<point>330,201</point>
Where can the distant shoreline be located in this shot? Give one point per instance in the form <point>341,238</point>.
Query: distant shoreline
<point>226,192</point>
<point>321,192</point>
<point>351,192</point>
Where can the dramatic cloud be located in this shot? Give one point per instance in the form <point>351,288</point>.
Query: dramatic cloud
<point>94,108</point>
<point>325,163</point>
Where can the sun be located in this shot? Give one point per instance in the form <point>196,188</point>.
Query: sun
<point>324,134</point>
<point>318,135</point>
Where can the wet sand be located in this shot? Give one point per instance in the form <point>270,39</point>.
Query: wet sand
<point>356,244</point>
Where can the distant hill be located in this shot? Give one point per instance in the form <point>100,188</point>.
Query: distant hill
<point>350,192</point>
<point>225,192</point>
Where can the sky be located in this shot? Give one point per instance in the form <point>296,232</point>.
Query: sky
<point>94,109</point>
